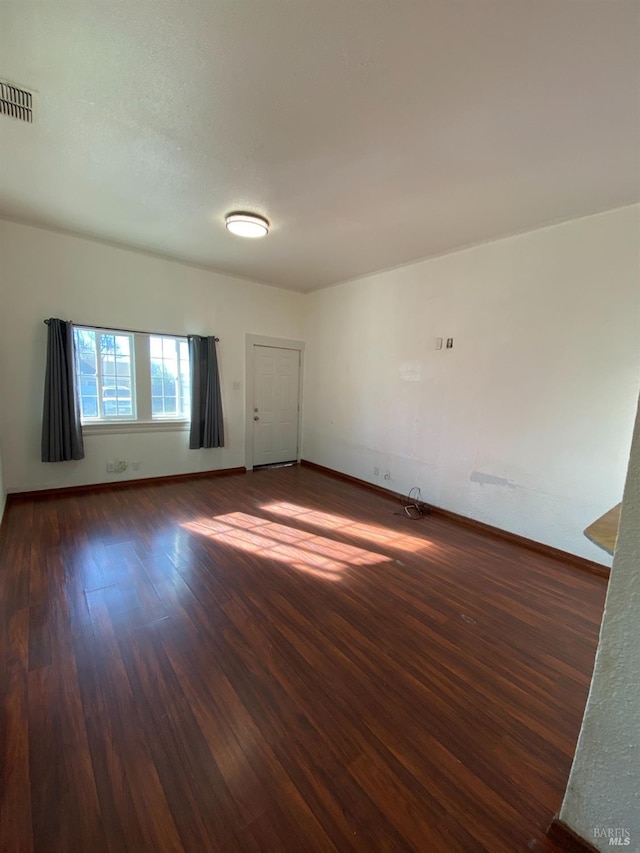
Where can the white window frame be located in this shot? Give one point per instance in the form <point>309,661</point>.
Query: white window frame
<point>142,419</point>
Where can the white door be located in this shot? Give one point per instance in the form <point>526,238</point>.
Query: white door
<point>276,384</point>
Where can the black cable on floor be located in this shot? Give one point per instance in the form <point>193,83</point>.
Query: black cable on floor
<point>413,506</point>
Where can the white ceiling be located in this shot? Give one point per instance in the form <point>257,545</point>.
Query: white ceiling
<point>370,132</point>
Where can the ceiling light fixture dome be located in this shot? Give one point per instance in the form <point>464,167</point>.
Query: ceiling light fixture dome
<point>247,224</point>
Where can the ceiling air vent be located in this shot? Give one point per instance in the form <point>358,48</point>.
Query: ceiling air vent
<point>16,102</point>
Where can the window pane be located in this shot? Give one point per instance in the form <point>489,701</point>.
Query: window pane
<point>122,379</point>
<point>185,381</point>
<point>185,394</point>
<point>87,363</point>
<point>107,344</point>
<point>170,406</point>
<point>84,338</point>
<point>122,345</point>
<point>88,392</point>
<point>85,345</point>
<point>88,386</point>
<point>157,406</point>
<point>89,407</point>
<point>86,369</point>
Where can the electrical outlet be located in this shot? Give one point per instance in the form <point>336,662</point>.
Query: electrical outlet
<point>376,471</point>
<point>111,467</point>
<point>121,466</point>
<point>438,343</point>
<point>135,466</point>
<point>387,475</point>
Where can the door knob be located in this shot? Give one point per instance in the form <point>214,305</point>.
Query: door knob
<point>256,418</point>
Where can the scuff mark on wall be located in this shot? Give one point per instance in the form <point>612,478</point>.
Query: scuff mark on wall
<point>411,371</point>
<point>490,480</point>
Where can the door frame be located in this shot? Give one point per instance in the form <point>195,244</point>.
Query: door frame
<point>252,341</point>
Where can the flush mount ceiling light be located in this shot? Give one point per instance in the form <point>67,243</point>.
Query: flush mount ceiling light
<point>247,224</point>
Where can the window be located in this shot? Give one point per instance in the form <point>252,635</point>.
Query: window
<point>170,379</point>
<point>105,375</point>
<point>132,378</point>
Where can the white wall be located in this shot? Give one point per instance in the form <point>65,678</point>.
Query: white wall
<point>45,274</point>
<point>526,423</point>
<point>604,787</point>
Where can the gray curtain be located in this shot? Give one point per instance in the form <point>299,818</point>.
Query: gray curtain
<point>206,402</point>
<point>61,428</point>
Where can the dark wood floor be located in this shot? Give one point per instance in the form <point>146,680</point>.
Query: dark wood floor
<point>278,661</point>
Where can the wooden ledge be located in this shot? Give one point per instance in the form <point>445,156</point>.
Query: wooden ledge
<point>604,531</point>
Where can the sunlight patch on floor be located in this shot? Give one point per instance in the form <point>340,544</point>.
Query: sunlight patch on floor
<point>383,536</point>
<point>298,549</point>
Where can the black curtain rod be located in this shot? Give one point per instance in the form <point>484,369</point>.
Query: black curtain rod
<point>129,331</point>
